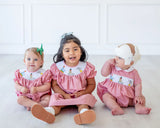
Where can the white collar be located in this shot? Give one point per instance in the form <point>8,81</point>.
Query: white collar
<point>31,75</point>
<point>127,70</point>
<point>71,71</point>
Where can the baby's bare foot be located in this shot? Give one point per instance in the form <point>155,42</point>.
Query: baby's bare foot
<point>142,110</point>
<point>117,111</point>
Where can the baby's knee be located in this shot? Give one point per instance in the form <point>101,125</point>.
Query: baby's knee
<point>45,100</point>
<point>107,96</point>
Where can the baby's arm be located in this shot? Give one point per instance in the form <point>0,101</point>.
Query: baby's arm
<point>89,89</point>
<point>41,88</point>
<point>139,98</point>
<point>57,89</point>
<point>106,69</point>
<point>21,88</point>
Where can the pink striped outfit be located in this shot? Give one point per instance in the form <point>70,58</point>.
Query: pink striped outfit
<point>72,82</point>
<point>120,84</point>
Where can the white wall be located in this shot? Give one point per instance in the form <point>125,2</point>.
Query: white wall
<point>99,24</point>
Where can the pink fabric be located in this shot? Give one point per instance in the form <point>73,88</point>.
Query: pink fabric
<point>121,92</point>
<point>45,78</point>
<point>72,84</point>
<point>58,100</point>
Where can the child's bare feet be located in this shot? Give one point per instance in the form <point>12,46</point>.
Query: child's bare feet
<point>142,109</point>
<point>117,111</point>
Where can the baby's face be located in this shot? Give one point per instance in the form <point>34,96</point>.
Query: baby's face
<point>32,61</point>
<point>120,62</point>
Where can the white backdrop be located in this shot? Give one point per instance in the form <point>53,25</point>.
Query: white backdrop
<point>99,24</point>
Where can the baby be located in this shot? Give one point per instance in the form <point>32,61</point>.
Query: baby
<point>123,88</point>
<point>32,84</point>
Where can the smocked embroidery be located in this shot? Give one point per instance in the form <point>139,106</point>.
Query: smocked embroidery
<point>70,71</point>
<point>31,75</point>
<point>121,80</point>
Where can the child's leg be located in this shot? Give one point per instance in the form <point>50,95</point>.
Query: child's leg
<point>85,115</point>
<point>22,100</point>
<point>111,103</point>
<point>45,100</point>
<point>57,109</point>
<point>45,114</point>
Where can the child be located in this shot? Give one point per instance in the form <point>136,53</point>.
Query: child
<point>123,88</point>
<point>73,83</point>
<point>33,83</point>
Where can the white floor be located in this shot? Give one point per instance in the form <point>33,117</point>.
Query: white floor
<point>13,115</point>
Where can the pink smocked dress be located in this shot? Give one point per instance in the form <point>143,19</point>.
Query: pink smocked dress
<point>71,80</point>
<point>120,84</point>
<point>33,79</point>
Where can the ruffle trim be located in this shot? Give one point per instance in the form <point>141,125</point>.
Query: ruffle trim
<point>89,71</point>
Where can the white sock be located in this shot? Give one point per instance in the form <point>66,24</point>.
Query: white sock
<point>50,110</point>
<point>83,110</point>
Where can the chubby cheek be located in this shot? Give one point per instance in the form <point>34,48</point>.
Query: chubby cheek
<point>41,63</point>
<point>27,64</point>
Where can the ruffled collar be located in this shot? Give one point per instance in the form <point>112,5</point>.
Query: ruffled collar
<point>31,75</point>
<point>127,70</point>
<point>71,71</point>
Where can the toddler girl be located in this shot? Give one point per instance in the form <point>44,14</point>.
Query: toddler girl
<point>123,88</point>
<point>33,83</point>
<point>73,83</point>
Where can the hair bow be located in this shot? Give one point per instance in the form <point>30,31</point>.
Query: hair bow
<point>66,34</point>
<point>40,50</point>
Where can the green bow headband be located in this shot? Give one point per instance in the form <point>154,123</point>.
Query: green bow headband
<point>40,50</point>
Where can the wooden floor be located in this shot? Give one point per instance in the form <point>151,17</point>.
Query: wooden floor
<point>13,115</point>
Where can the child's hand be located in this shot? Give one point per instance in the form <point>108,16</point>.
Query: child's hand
<point>77,94</point>
<point>33,90</point>
<point>24,90</point>
<point>67,96</point>
<point>112,61</point>
<point>139,100</point>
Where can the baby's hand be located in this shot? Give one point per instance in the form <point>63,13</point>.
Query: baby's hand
<point>139,100</point>
<point>112,61</point>
<point>24,90</point>
<point>33,90</point>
